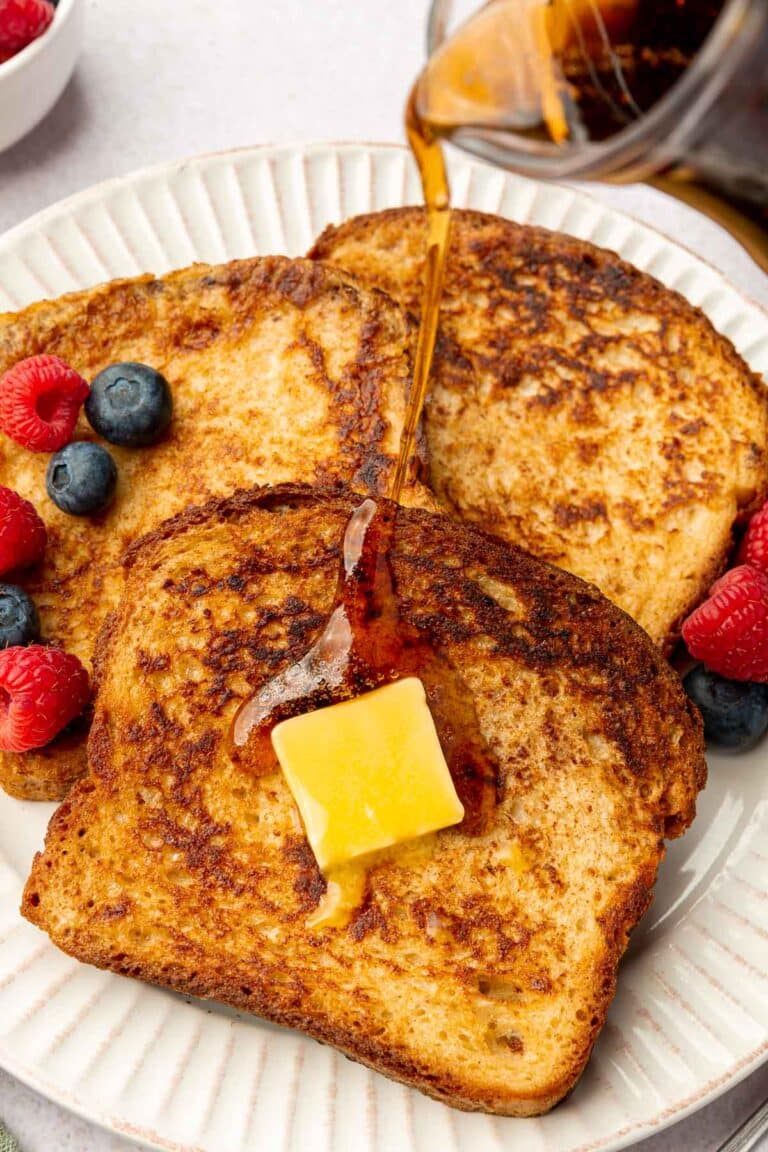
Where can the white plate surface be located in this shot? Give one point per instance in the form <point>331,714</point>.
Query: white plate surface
<point>691,1014</point>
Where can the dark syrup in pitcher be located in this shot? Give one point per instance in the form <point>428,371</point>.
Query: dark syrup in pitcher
<point>567,71</point>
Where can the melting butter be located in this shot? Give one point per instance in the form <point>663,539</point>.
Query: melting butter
<point>514,857</point>
<point>368,773</point>
<point>342,897</point>
<point>346,883</point>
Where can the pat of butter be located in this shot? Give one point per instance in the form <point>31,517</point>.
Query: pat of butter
<point>367,773</point>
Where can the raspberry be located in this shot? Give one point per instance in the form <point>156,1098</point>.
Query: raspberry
<point>39,401</point>
<point>729,631</point>
<point>41,690</point>
<point>22,21</point>
<point>22,532</point>
<point>754,546</point>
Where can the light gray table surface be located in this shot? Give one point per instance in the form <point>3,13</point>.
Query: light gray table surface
<point>164,79</point>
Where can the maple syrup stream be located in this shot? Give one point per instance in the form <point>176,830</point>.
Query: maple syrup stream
<point>551,69</point>
<point>367,642</point>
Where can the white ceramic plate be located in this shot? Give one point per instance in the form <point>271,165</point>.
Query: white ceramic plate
<point>691,1014</point>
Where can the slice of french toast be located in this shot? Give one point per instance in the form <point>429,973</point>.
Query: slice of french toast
<point>579,408</point>
<point>478,970</point>
<point>279,370</point>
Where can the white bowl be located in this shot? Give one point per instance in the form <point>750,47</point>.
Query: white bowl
<point>32,81</point>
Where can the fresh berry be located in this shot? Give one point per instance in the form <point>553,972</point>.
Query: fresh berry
<point>41,691</point>
<point>729,631</point>
<point>22,532</point>
<point>81,479</point>
<point>754,546</point>
<point>22,21</point>
<point>19,621</point>
<point>39,401</point>
<point>735,713</point>
<point>129,404</point>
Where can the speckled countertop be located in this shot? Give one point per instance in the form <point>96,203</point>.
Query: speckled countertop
<point>160,80</point>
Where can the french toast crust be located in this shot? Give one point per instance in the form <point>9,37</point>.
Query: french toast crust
<point>49,774</point>
<point>545,336</point>
<point>446,1089</point>
<point>223,335</point>
<point>451,579</point>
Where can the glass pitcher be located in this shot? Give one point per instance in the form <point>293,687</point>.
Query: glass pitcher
<point>710,128</point>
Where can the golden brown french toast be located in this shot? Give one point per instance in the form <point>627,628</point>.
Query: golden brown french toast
<point>578,407</point>
<point>478,969</point>
<point>279,370</point>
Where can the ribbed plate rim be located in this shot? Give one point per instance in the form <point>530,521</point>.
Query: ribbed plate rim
<point>102,191</point>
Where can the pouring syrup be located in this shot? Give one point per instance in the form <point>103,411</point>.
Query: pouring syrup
<point>509,65</point>
<point>550,70</point>
<point>366,641</point>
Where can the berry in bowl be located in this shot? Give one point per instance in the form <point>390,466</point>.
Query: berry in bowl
<point>39,45</point>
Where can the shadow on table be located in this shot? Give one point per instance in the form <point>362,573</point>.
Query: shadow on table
<point>54,135</point>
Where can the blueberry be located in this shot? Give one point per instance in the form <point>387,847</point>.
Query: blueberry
<point>19,621</point>
<point>81,479</point>
<point>129,404</point>
<point>735,712</point>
